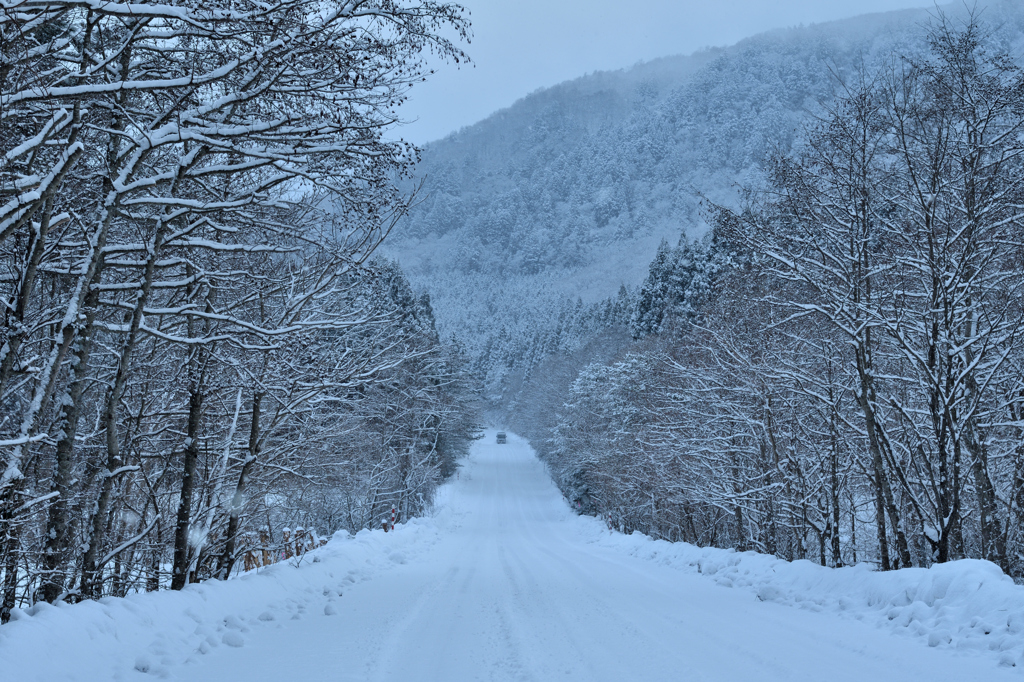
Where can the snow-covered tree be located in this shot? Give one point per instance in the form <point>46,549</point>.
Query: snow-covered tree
<point>189,195</point>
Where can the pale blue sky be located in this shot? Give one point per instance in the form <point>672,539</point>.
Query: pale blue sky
<point>521,45</point>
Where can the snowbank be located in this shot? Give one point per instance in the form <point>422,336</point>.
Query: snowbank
<point>968,604</point>
<point>115,639</point>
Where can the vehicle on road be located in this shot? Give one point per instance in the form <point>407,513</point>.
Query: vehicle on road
<point>501,439</point>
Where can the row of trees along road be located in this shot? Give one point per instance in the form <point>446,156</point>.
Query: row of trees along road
<point>189,196</point>
<point>841,373</point>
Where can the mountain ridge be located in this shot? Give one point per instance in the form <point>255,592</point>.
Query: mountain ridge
<point>567,193</point>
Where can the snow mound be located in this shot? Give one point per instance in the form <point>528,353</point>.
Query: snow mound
<point>968,604</point>
<point>150,634</point>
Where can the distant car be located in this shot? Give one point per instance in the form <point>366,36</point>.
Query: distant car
<point>501,439</point>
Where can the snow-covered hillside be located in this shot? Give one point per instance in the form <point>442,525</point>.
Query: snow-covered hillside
<point>504,582</point>
<point>568,192</point>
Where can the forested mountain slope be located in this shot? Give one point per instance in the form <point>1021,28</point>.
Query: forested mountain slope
<point>835,372</point>
<point>568,192</point>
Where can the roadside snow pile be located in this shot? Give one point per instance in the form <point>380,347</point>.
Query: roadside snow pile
<point>967,604</point>
<point>116,639</point>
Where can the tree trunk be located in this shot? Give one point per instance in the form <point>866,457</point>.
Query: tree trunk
<point>179,569</point>
<point>227,559</point>
<point>884,502</point>
<point>58,520</point>
<point>115,462</point>
<point>1015,515</point>
<point>837,555</point>
<point>9,546</point>
<point>993,544</point>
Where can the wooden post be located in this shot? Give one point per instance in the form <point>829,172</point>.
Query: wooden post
<point>268,557</point>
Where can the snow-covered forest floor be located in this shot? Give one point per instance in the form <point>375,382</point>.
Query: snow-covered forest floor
<point>503,581</point>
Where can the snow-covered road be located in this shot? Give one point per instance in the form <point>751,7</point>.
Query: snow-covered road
<point>507,585</point>
<point>513,593</point>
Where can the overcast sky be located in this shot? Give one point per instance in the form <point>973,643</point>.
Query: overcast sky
<point>522,45</point>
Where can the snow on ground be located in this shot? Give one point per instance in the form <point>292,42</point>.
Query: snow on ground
<point>115,639</point>
<point>968,605</point>
<point>506,583</point>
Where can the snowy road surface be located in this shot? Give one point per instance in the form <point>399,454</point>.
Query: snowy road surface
<point>513,594</point>
<point>510,589</point>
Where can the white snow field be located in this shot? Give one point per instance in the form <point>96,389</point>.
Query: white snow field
<point>506,583</point>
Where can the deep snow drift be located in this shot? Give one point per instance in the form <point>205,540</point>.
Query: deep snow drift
<point>506,583</point>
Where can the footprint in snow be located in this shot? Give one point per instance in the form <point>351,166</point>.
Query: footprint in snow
<point>234,639</point>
